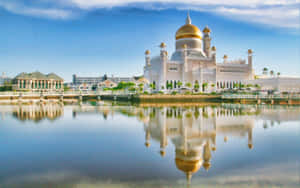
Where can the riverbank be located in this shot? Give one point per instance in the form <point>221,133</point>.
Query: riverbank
<point>151,98</point>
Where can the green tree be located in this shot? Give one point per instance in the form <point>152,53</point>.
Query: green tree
<point>278,74</point>
<point>265,71</point>
<point>272,73</point>
<point>188,84</point>
<point>204,86</point>
<point>179,84</point>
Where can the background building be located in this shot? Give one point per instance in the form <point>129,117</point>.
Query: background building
<point>90,83</point>
<point>37,81</point>
<point>4,79</point>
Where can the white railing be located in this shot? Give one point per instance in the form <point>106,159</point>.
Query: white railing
<point>67,93</point>
<point>281,96</point>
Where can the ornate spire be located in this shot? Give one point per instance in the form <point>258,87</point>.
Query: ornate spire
<point>188,18</point>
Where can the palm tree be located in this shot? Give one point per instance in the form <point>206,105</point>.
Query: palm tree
<point>265,71</point>
<point>179,84</point>
<point>272,73</point>
<point>278,74</point>
<point>204,86</point>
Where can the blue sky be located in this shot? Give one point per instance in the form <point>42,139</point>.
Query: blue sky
<point>94,37</point>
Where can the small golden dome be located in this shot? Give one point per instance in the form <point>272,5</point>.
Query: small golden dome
<point>188,166</point>
<point>206,30</point>
<point>147,52</point>
<point>213,48</point>
<point>147,144</point>
<point>250,51</point>
<point>163,45</point>
<point>225,57</point>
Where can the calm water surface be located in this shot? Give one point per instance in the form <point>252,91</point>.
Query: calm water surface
<point>110,145</point>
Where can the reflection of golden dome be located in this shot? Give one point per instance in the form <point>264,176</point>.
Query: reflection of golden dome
<point>188,166</point>
<point>162,153</point>
<point>250,146</point>
<point>188,31</point>
<point>184,46</point>
<point>147,144</point>
<point>206,165</point>
<point>214,148</point>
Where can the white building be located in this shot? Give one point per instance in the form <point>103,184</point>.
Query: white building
<point>194,62</point>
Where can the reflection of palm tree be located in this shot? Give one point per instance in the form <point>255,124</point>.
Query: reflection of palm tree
<point>265,125</point>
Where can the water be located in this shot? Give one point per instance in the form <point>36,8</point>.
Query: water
<point>184,145</point>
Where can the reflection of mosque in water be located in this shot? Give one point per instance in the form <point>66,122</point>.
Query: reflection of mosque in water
<point>193,131</point>
<point>38,112</point>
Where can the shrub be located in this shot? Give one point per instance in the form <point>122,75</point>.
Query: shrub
<point>146,92</point>
<point>160,92</point>
<point>188,93</point>
<point>173,93</point>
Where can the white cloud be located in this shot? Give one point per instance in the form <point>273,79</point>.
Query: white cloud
<point>278,13</point>
<point>53,13</point>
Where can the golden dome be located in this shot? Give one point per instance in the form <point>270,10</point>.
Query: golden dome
<point>206,30</point>
<point>163,45</point>
<point>147,144</point>
<point>250,51</point>
<point>188,166</point>
<point>188,31</point>
<point>147,52</point>
<point>225,57</point>
<point>213,48</point>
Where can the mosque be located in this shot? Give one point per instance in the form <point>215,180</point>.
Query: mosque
<point>194,62</point>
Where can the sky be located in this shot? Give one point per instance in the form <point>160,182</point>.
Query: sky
<point>96,37</point>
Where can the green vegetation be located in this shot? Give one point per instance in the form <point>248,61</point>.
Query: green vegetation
<point>6,88</point>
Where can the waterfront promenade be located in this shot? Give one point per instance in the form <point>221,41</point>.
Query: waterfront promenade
<point>74,96</point>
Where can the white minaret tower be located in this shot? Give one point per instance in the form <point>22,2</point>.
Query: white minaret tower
<point>164,58</point>
<point>147,58</point>
<point>213,53</point>
<point>250,53</point>
<point>206,41</point>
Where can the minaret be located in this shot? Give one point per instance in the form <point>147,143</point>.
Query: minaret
<point>206,41</point>
<point>213,53</point>
<point>147,58</point>
<point>250,52</point>
<point>164,58</point>
<point>225,57</point>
